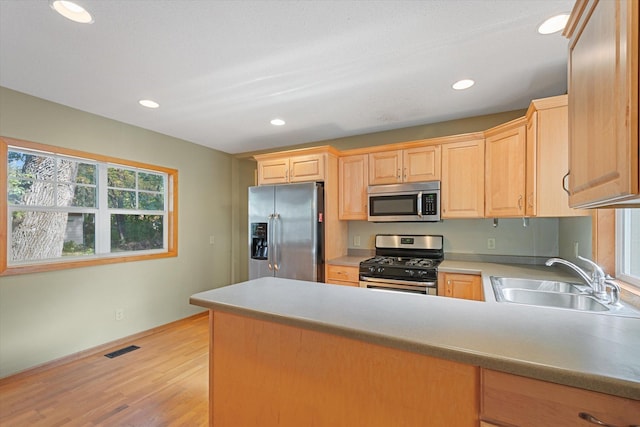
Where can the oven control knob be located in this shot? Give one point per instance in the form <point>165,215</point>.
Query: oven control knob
<point>411,273</point>
<point>372,269</point>
<point>380,269</point>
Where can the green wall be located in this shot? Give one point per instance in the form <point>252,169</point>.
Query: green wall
<point>45,316</point>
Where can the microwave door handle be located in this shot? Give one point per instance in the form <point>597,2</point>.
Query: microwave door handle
<point>420,204</point>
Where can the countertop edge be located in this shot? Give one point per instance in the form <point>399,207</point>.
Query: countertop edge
<point>593,382</point>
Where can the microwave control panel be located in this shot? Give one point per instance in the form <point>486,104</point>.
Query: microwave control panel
<point>430,203</point>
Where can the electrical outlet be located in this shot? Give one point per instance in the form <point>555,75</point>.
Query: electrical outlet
<point>356,240</point>
<point>119,313</point>
<point>212,240</point>
<point>491,243</point>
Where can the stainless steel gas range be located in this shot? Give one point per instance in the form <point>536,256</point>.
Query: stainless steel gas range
<point>404,263</point>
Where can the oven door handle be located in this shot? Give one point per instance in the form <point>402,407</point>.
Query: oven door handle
<point>420,204</point>
<point>396,282</point>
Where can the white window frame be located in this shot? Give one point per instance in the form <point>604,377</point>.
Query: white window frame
<point>102,251</point>
<point>623,256</point>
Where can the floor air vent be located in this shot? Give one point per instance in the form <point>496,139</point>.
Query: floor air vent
<point>121,351</point>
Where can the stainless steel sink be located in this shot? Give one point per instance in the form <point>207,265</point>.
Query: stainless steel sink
<point>538,285</point>
<point>556,294</point>
<point>553,299</point>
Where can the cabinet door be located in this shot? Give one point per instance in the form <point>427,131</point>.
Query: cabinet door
<point>505,173</point>
<point>603,103</point>
<point>353,181</point>
<point>275,171</point>
<point>306,168</point>
<point>385,167</point>
<point>421,164</point>
<point>462,189</point>
<point>465,286</point>
<point>548,158</point>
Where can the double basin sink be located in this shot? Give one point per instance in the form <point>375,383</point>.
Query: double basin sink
<point>549,293</point>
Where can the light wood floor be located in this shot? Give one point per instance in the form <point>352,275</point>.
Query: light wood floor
<point>163,383</point>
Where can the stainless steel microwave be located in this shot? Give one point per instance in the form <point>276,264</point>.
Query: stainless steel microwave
<point>414,202</point>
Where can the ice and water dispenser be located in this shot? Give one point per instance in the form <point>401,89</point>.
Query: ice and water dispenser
<point>259,242</point>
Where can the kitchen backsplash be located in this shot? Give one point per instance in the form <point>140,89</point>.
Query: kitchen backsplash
<point>542,237</point>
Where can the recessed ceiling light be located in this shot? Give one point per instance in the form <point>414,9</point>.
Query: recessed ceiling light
<point>554,24</point>
<point>72,11</point>
<point>148,103</point>
<point>277,122</point>
<point>463,84</point>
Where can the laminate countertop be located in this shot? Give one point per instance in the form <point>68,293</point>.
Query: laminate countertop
<point>585,350</point>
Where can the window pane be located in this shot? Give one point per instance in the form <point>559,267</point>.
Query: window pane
<point>67,170</point>
<point>23,165</point>
<point>86,174</point>
<point>37,235</point>
<point>136,232</point>
<point>150,182</point>
<point>151,201</point>
<point>121,178</point>
<point>17,190</point>
<point>84,196</point>
<point>16,162</point>
<point>119,199</point>
<point>65,194</point>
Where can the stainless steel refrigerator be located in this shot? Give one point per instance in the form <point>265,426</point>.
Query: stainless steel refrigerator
<point>286,231</point>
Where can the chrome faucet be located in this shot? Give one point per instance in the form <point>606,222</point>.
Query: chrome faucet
<point>598,280</point>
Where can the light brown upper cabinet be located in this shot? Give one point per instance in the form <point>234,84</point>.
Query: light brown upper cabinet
<point>462,189</point>
<point>548,158</point>
<point>408,165</point>
<point>505,163</point>
<point>353,173</point>
<point>282,170</point>
<point>603,103</point>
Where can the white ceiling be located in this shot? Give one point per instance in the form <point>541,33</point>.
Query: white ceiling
<point>221,70</point>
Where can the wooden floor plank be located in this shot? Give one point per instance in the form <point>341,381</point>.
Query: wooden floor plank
<point>164,383</point>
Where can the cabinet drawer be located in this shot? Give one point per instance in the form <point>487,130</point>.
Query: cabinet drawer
<point>342,273</point>
<point>518,401</point>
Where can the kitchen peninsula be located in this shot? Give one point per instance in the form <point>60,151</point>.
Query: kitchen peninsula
<point>286,352</point>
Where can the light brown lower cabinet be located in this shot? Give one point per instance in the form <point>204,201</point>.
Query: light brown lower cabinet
<point>512,400</point>
<point>342,275</point>
<point>465,286</point>
<point>267,374</point>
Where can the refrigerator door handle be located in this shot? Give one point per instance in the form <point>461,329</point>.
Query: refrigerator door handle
<point>276,243</point>
<point>270,242</point>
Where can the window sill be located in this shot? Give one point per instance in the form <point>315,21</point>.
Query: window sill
<point>53,266</point>
<point>630,294</point>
